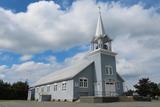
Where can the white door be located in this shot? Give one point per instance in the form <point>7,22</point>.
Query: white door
<point>110,89</point>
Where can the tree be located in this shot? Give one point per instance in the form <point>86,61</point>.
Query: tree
<point>155,91</point>
<point>159,85</point>
<point>18,90</point>
<point>4,90</point>
<point>145,87</point>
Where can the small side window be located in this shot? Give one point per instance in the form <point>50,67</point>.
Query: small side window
<point>48,88</point>
<point>64,86</point>
<point>42,89</point>
<point>55,87</point>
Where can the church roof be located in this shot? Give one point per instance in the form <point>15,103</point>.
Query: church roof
<point>119,77</point>
<point>63,74</point>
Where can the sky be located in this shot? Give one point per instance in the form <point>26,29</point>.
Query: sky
<point>38,37</point>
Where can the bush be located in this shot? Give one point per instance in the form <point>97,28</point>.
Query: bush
<point>141,98</point>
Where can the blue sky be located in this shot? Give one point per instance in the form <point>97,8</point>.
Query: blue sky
<point>51,35</point>
<point>21,5</point>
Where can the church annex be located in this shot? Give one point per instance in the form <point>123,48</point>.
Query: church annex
<point>94,76</point>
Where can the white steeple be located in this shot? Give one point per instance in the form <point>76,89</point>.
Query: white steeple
<point>100,29</point>
<point>101,40</point>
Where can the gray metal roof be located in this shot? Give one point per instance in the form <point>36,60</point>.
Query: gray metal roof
<point>63,74</point>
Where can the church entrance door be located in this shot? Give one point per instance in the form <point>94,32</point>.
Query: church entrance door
<point>110,89</point>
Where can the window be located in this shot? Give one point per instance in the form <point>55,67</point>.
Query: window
<point>64,86</point>
<point>108,70</point>
<point>48,88</point>
<point>37,89</point>
<point>42,89</point>
<point>83,82</point>
<point>55,87</point>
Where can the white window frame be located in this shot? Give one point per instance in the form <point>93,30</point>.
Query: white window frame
<point>83,84</point>
<point>55,87</point>
<point>110,70</point>
<point>48,88</point>
<point>64,86</point>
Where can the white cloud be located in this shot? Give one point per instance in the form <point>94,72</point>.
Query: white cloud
<point>74,59</point>
<point>33,71</point>
<point>52,59</point>
<point>44,26</point>
<point>26,57</point>
<point>30,71</point>
<point>136,60</point>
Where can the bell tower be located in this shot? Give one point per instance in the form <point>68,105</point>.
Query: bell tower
<point>100,40</point>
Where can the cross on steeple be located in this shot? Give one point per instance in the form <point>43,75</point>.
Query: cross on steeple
<point>99,8</point>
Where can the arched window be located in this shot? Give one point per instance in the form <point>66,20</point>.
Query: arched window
<point>108,70</point>
<point>83,82</point>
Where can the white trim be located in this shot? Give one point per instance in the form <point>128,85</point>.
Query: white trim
<point>107,52</point>
<point>64,82</point>
<point>83,78</point>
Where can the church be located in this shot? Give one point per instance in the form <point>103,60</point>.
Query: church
<point>95,76</point>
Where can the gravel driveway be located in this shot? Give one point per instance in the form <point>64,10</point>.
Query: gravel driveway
<point>69,104</point>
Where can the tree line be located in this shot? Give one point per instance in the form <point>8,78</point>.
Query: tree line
<point>145,87</point>
<point>15,91</point>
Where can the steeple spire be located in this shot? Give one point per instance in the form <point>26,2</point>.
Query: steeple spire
<point>101,40</point>
<point>100,29</point>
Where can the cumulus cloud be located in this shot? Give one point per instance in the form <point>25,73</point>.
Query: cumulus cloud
<point>28,71</point>
<point>32,32</point>
<point>136,60</point>
<point>78,57</point>
<point>134,29</point>
<point>32,71</point>
<point>44,26</point>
